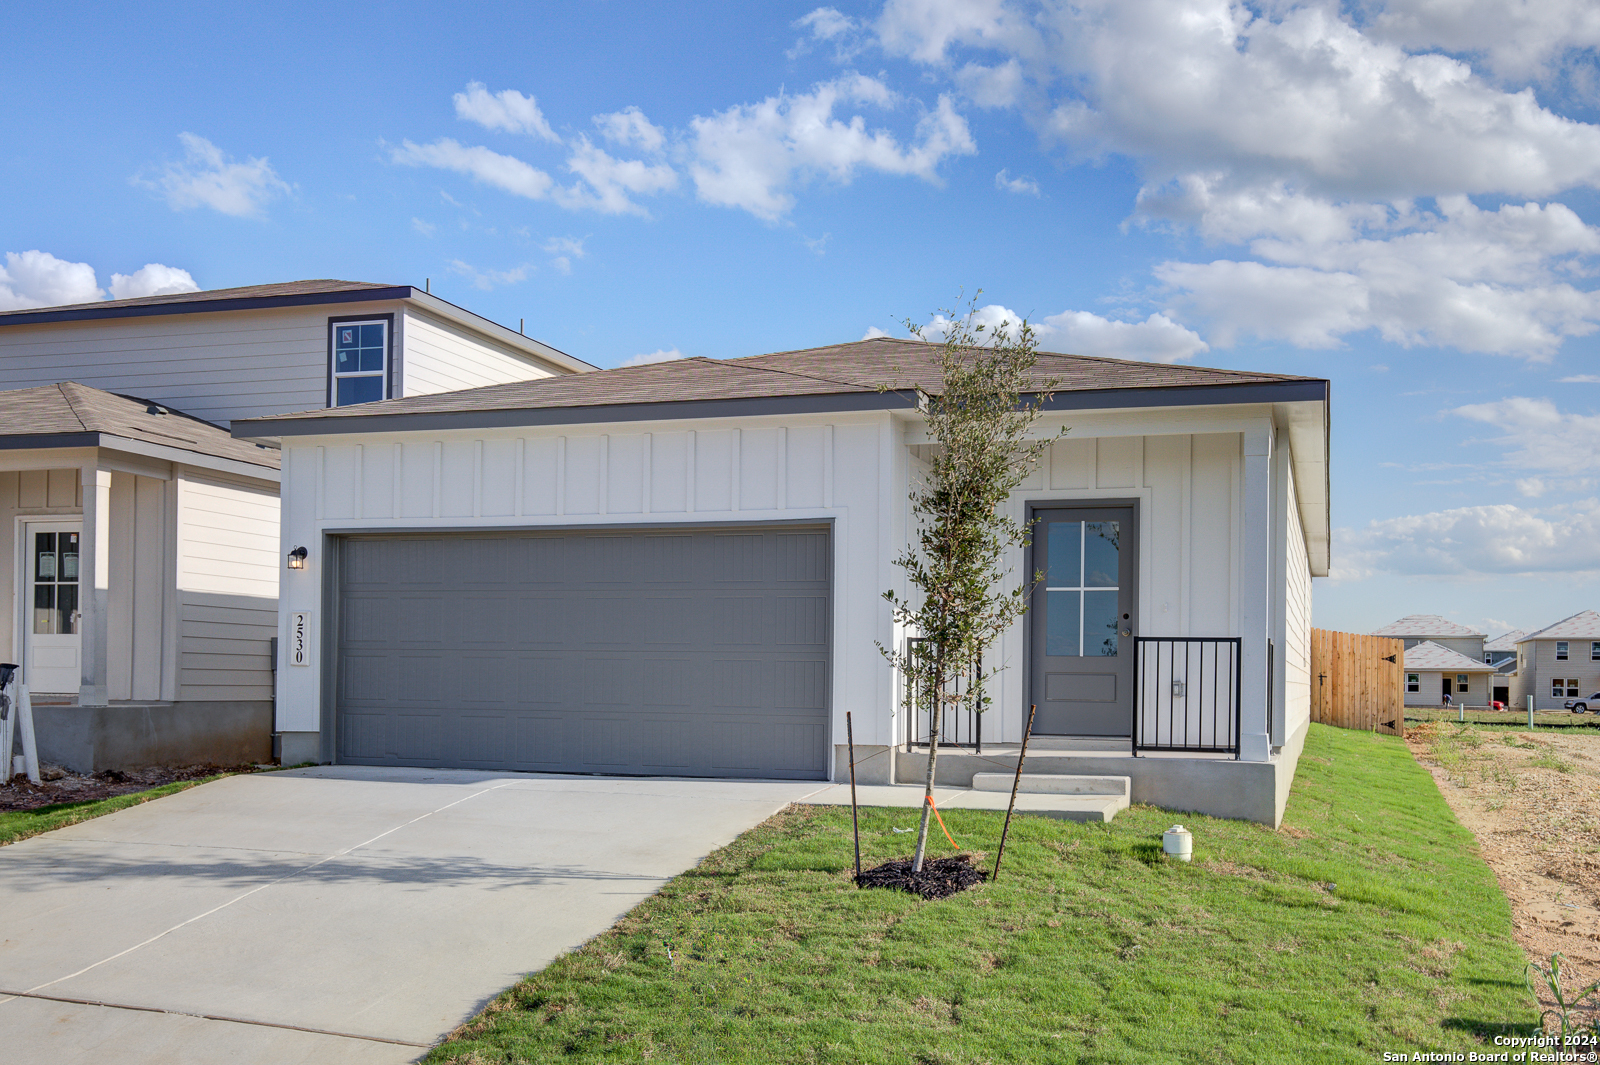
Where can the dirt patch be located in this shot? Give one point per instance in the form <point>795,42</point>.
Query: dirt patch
<point>19,794</point>
<point>1533,801</point>
<point>940,877</point>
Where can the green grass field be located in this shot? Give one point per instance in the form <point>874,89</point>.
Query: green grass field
<point>1367,924</point>
<point>20,824</point>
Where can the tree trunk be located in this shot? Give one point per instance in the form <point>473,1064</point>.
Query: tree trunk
<point>933,758</point>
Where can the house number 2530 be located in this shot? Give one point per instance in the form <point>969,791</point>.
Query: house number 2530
<point>300,638</point>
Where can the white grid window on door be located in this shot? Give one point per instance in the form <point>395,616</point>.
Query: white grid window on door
<point>1082,564</point>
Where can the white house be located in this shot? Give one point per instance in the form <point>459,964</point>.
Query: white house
<point>1434,671</point>
<point>142,540</point>
<point>679,568</point>
<point>1558,663</point>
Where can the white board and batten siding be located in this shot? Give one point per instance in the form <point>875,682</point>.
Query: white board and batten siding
<point>1296,657</point>
<point>228,566</point>
<point>849,470</point>
<point>439,356</point>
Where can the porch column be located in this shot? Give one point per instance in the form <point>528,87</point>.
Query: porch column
<point>1255,594</point>
<point>94,584</point>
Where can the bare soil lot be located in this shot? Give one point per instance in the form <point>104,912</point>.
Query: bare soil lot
<point>1533,801</point>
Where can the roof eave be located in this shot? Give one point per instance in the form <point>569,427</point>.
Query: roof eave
<point>245,303</point>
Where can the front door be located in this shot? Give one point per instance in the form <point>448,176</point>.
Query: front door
<point>1445,697</point>
<point>52,660</point>
<point>1082,620</point>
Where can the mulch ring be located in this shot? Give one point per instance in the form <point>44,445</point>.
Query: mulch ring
<point>19,794</point>
<point>940,877</point>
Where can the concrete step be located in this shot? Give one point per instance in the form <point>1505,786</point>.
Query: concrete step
<point>1065,807</point>
<point>1055,784</point>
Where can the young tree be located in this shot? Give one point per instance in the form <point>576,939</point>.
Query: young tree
<point>979,423</point>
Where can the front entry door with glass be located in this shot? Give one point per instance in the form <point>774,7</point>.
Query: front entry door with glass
<point>54,655</point>
<point>1082,620</point>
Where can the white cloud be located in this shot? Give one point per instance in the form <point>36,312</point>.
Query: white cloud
<point>563,250</point>
<point>750,156</point>
<point>605,186</point>
<point>152,279</point>
<point>507,110</point>
<point>818,245</point>
<point>660,355</point>
<point>996,86</point>
<point>1474,541</point>
<point>1582,379</point>
<point>873,333</point>
<point>1024,185</point>
<point>1309,132</point>
<point>630,127</point>
<point>1156,339</point>
<point>39,279</point>
<point>609,181</point>
<point>425,228</point>
<point>503,172</point>
<point>1539,437</point>
<point>1525,39</point>
<point>488,279</point>
<point>827,24</point>
<point>207,177</point>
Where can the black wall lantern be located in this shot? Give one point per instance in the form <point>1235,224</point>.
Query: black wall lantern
<point>297,558</point>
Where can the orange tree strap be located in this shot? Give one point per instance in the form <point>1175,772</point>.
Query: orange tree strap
<point>947,834</point>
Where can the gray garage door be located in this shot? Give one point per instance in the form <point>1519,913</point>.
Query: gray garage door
<point>693,653</point>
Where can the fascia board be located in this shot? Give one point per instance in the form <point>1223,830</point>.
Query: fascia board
<point>195,459</point>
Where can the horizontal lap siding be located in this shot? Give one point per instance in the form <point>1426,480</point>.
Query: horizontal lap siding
<point>218,366</point>
<point>228,567</point>
<point>441,357</point>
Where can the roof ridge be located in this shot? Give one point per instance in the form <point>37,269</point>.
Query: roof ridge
<point>1535,634</point>
<point>61,386</point>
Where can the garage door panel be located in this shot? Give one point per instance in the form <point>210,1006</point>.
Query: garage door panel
<point>686,653</point>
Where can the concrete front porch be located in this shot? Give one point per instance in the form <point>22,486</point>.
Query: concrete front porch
<point>1218,785</point>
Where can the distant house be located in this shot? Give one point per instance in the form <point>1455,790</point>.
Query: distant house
<point>1559,662</point>
<point>1418,628</point>
<point>1501,652</point>
<point>142,540</point>
<point>1434,671</point>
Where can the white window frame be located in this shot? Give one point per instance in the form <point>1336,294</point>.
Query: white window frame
<point>1463,683</point>
<point>1594,651</point>
<point>385,375</point>
<point>1562,648</point>
<point>1558,688</point>
<point>1413,682</point>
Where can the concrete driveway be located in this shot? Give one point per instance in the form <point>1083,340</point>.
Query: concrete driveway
<point>331,914</point>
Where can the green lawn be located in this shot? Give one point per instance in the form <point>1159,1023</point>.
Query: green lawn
<point>1368,924</point>
<point>20,824</point>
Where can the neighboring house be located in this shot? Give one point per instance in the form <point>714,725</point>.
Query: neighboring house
<point>1558,663</point>
<point>1418,628</point>
<point>679,569</point>
<point>144,539</point>
<point>1434,671</point>
<point>1501,652</point>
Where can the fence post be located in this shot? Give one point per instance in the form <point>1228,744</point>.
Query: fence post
<point>1530,712</point>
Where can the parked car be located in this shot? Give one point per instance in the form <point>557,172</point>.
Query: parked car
<point>1578,706</point>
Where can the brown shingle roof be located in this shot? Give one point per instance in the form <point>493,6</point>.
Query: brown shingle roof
<point>862,369</point>
<point>69,409</point>
<point>244,292</point>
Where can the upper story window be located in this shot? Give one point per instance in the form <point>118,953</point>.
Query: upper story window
<point>1561,650</point>
<point>1488,657</point>
<point>1594,651</point>
<point>359,360</point>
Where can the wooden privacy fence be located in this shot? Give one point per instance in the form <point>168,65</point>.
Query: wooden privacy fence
<point>1358,682</point>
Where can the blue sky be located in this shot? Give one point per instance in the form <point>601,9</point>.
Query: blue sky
<point>1400,197</point>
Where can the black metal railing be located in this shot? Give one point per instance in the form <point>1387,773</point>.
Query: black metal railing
<point>1186,694</point>
<point>960,725</point>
